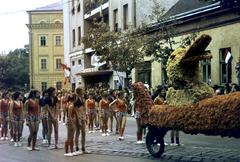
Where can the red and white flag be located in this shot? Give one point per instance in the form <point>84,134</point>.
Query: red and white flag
<point>67,73</point>
<point>227,56</point>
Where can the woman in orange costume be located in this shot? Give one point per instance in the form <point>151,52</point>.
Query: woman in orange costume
<point>121,113</point>
<point>90,106</point>
<point>4,115</point>
<point>104,110</point>
<point>71,119</point>
<point>16,116</point>
<point>32,118</point>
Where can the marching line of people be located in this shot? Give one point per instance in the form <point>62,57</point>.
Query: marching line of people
<point>80,111</point>
<point>77,110</point>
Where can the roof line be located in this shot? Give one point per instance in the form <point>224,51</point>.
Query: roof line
<point>189,13</point>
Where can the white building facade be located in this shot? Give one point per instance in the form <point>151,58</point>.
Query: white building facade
<point>78,18</point>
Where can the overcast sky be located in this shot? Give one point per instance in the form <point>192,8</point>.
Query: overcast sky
<point>13,18</point>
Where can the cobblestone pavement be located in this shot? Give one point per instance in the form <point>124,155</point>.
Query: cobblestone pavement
<point>128,147</point>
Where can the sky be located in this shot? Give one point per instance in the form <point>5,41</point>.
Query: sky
<point>13,18</point>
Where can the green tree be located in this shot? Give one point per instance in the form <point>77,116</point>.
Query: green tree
<point>121,50</point>
<point>161,43</point>
<point>14,70</point>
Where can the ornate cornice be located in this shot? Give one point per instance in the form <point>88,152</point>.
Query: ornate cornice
<point>46,26</point>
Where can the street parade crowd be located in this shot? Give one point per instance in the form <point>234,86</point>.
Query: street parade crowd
<point>80,110</point>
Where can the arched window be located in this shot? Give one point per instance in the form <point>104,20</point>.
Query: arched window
<point>43,22</point>
<point>58,21</point>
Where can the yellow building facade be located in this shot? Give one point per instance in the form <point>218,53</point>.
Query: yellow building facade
<point>46,43</point>
<point>223,25</point>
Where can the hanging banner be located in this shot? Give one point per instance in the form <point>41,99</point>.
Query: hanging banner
<point>95,61</point>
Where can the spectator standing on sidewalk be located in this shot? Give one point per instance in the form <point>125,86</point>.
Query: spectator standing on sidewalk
<point>16,116</point>
<point>161,94</point>
<point>52,107</point>
<point>121,113</point>
<point>143,103</point>
<point>237,68</point>
<point>235,87</point>
<point>32,118</point>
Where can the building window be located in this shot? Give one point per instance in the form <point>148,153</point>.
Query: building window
<point>44,86</point>
<point>59,85</point>
<point>134,14</point>
<point>73,63</point>
<point>73,37</point>
<point>225,68</point>
<point>144,73</point>
<point>43,63</point>
<point>73,7</point>
<point>125,16</point>
<point>58,40</point>
<point>206,71</point>
<point>78,7</point>
<point>79,35</point>
<point>58,63</point>
<point>115,19</point>
<point>79,62</point>
<point>43,41</point>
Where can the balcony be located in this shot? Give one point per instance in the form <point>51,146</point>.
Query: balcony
<point>89,6</point>
<point>96,9</point>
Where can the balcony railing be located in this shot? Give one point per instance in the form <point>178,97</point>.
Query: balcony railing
<point>89,6</point>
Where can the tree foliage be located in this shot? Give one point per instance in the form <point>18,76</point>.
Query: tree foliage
<point>122,50</point>
<point>14,69</point>
<point>161,43</point>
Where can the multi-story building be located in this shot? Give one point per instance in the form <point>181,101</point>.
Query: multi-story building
<point>123,14</point>
<point>189,16</point>
<point>206,17</point>
<point>46,47</point>
<point>81,57</point>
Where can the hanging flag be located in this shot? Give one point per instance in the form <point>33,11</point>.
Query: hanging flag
<point>67,73</point>
<point>228,56</point>
<point>64,66</point>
